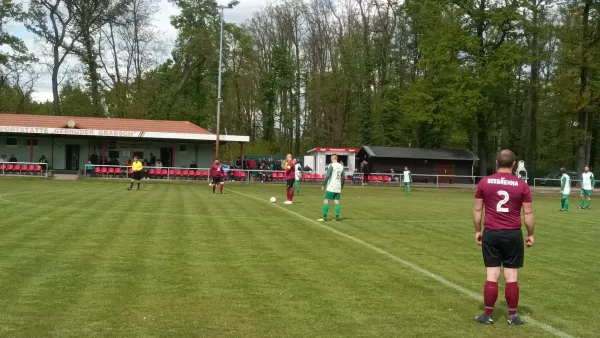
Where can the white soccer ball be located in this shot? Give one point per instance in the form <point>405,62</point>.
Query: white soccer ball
<point>273,200</point>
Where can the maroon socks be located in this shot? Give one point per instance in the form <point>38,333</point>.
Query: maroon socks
<point>490,295</point>
<point>290,194</point>
<point>512,297</point>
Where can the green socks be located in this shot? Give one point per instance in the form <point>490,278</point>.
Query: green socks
<point>326,210</point>
<point>297,190</point>
<point>407,191</point>
<point>582,203</point>
<point>567,205</point>
<point>562,204</point>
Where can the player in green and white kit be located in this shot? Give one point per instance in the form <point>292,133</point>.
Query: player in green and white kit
<point>407,178</point>
<point>565,190</point>
<point>298,174</point>
<point>333,185</point>
<point>587,185</point>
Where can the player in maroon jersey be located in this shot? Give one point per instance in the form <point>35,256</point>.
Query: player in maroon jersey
<point>503,195</point>
<point>290,177</point>
<point>217,173</point>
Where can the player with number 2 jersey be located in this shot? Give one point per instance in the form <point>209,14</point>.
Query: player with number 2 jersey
<point>503,195</point>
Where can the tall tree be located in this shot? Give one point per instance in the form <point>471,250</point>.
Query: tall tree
<point>52,20</point>
<point>89,17</point>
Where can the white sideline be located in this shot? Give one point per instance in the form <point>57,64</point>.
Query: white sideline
<point>427,273</point>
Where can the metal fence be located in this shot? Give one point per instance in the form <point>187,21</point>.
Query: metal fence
<point>551,184</point>
<point>273,176</point>
<point>25,169</point>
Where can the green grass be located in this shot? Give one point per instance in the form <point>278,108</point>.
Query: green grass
<point>82,259</point>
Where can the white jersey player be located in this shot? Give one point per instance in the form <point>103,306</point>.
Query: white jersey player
<point>333,185</point>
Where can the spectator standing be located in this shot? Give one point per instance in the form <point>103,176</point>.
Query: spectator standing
<point>366,170</point>
<point>262,174</point>
<point>158,163</point>
<point>43,161</point>
<point>356,177</point>
<point>152,160</point>
<point>90,168</point>
<point>93,159</point>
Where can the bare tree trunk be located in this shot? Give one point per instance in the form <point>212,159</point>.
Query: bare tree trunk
<point>534,92</point>
<point>55,69</point>
<point>582,114</point>
<point>481,114</point>
<point>92,72</point>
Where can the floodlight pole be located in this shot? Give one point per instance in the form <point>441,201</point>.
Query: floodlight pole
<point>219,98</point>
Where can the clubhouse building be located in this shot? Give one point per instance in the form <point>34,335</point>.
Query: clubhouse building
<point>68,142</point>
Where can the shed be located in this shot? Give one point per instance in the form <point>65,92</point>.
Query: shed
<point>420,161</point>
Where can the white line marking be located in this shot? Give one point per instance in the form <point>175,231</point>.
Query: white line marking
<point>393,257</point>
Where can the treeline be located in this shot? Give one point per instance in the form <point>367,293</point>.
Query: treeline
<point>475,74</point>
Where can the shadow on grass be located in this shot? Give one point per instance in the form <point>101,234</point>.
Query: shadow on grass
<point>501,311</point>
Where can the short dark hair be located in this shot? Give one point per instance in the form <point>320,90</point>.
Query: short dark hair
<point>563,170</point>
<point>505,158</point>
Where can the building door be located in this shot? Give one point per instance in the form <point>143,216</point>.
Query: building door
<point>166,154</point>
<point>72,157</point>
<point>444,170</point>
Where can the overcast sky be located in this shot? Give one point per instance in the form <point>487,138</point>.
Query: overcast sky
<point>43,88</point>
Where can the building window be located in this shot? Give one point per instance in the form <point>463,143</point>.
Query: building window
<point>10,141</point>
<point>112,145</point>
<point>183,148</point>
<point>35,142</point>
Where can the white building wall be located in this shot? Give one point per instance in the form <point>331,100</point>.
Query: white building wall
<point>201,153</point>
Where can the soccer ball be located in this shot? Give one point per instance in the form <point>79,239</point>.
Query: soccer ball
<point>273,200</point>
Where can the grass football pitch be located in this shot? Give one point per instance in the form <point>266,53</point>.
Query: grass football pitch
<point>84,259</point>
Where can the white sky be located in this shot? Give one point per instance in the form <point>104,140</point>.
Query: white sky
<point>43,88</point>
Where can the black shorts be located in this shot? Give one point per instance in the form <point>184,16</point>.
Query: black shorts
<point>217,180</point>
<point>137,175</point>
<point>289,183</point>
<point>503,248</point>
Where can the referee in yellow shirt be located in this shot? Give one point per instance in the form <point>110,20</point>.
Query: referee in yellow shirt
<point>136,167</point>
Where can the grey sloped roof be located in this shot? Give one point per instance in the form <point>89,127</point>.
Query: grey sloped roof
<point>420,153</point>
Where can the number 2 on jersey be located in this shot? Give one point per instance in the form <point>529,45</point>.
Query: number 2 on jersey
<point>500,206</point>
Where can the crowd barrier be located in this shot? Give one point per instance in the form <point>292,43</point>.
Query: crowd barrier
<point>32,169</point>
<point>278,176</point>
<point>269,176</point>
<point>551,184</point>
